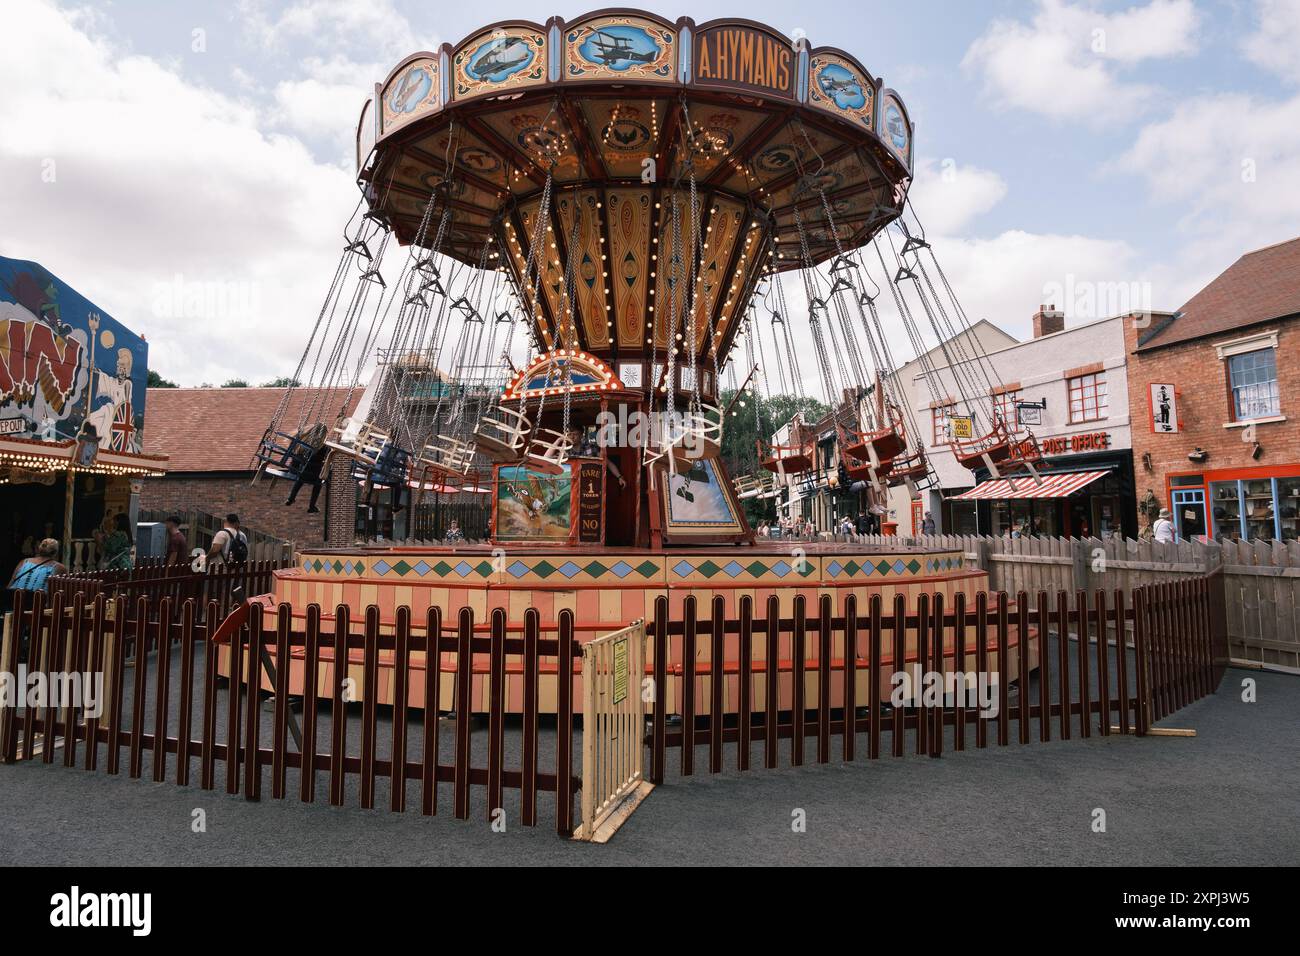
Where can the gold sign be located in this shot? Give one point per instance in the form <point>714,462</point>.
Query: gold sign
<point>742,57</point>
<point>962,426</point>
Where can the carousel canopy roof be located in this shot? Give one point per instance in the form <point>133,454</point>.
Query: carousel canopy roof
<point>623,109</point>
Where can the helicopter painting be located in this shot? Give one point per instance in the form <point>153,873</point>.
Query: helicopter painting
<point>499,58</point>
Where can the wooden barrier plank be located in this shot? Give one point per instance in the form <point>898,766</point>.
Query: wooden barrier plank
<point>1004,670</point>
<point>939,667</point>
<point>10,644</point>
<point>745,689</point>
<point>253,704</point>
<point>923,715</point>
<point>369,707</point>
<point>689,624</point>
<point>568,648</point>
<point>310,704</point>
<point>771,681</point>
<point>959,667</point>
<point>432,707</point>
<point>824,680</point>
<point>76,665</point>
<point>1063,660</point>
<point>898,722</point>
<point>798,675</point>
<point>464,708</point>
<point>1103,663</point>
<point>339,704</point>
<point>1081,651</point>
<point>185,704</point>
<point>162,690</point>
<point>401,684</point>
<point>35,655</point>
<point>54,653</point>
<point>1042,616</point>
<point>139,687</point>
<point>1141,651</point>
<point>717,679</point>
<point>207,749</point>
<point>982,660</point>
<point>659,716</point>
<point>850,675</point>
<point>1121,660</point>
<point>1022,659</point>
<point>497,715</point>
<point>531,718</point>
<point>280,715</point>
<point>99,629</point>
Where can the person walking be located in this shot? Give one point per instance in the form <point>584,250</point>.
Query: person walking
<point>1163,529</point>
<point>176,543</point>
<point>230,547</point>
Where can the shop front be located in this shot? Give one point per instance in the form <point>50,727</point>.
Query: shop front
<point>1237,503</point>
<point>1080,495</point>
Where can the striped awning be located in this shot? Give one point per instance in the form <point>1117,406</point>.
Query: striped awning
<point>1024,486</point>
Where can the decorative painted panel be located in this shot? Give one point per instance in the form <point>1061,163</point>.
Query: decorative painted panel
<point>620,47</point>
<point>500,60</point>
<point>838,85</point>
<point>414,90</point>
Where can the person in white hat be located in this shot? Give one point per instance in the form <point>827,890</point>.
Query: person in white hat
<point>1163,529</point>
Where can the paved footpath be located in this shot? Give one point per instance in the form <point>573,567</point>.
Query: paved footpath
<point>1227,796</point>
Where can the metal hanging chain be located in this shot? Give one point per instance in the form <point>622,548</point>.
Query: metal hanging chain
<point>791,355</point>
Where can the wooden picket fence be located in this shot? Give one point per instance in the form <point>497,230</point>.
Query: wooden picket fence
<point>1079,664</point>
<point>1076,646</point>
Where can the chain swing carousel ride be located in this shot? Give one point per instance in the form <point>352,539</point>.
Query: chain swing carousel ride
<point>588,217</point>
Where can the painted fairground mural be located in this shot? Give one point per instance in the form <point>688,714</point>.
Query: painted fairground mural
<point>531,504</point>
<point>67,368</point>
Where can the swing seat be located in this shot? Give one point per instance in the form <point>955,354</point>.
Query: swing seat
<point>754,486</point>
<point>886,443</point>
<point>282,455</point>
<point>865,471</point>
<point>1003,449</point>
<point>786,459</point>
<point>387,470</point>
<point>703,431</point>
<point>361,442</point>
<point>548,451</point>
<point>502,434</point>
<point>911,468</point>
<point>446,456</point>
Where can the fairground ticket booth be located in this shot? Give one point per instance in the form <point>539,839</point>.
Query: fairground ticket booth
<point>1082,493</point>
<point>72,396</point>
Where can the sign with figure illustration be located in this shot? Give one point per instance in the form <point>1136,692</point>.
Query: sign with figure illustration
<point>1164,409</point>
<point>532,505</point>
<point>68,370</point>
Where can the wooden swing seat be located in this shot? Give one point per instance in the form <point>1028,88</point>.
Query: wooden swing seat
<point>548,451</point>
<point>502,434</point>
<point>886,443</point>
<point>446,456</point>
<point>786,459</point>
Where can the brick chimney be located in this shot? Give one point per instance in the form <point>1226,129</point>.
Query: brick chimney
<point>1047,320</point>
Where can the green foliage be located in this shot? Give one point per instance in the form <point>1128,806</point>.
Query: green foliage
<point>235,383</point>
<point>284,381</point>
<point>157,381</point>
<point>743,427</point>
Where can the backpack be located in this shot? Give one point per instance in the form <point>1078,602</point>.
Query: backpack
<point>238,547</point>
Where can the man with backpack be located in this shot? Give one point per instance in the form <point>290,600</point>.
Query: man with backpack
<point>229,545</point>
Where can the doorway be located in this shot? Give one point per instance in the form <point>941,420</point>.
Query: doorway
<point>1189,512</point>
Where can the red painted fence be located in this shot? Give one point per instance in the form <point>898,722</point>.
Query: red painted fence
<point>1135,658</point>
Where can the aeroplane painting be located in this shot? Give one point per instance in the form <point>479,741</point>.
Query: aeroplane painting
<point>619,47</point>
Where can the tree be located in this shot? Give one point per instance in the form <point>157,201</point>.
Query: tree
<point>235,383</point>
<point>284,381</point>
<point>748,423</point>
<point>157,381</point>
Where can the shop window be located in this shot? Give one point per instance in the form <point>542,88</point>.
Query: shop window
<point>939,422</point>
<point>1004,406</point>
<point>1252,380</point>
<point>1225,508</point>
<point>1288,507</point>
<point>1089,400</point>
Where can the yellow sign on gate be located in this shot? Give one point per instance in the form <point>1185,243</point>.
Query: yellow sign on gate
<point>621,671</point>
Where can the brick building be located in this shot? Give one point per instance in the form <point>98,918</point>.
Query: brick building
<point>211,434</point>
<point>1214,398</point>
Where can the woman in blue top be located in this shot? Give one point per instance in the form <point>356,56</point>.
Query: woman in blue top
<point>33,574</point>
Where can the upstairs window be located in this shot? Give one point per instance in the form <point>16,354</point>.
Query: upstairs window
<point>1089,401</point>
<point>1004,405</point>
<point>1252,383</point>
<point>939,422</point>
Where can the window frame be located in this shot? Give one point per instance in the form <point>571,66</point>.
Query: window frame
<point>1228,359</point>
<point>939,415</point>
<point>1100,404</point>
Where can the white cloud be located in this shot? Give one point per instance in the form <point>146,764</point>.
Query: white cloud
<point>1067,62</point>
<point>157,177</point>
<point>1275,44</point>
<point>1225,168</point>
<point>950,196</point>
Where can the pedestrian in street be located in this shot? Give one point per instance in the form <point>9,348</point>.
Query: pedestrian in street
<point>230,547</point>
<point>1163,529</point>
<point>176,543</point>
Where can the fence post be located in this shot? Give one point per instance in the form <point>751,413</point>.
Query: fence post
<point>1080,564</point>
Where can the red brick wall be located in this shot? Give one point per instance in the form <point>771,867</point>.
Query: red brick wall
<point>260,507</point>
<point>1200,378</point>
